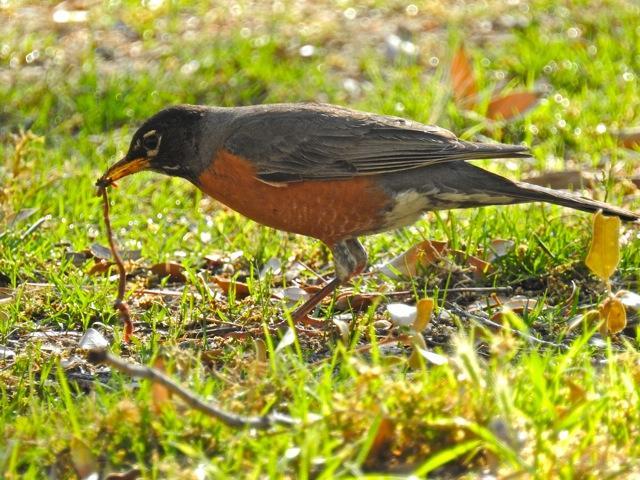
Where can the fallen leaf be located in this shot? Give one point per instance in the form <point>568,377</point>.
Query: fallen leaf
<point>169,269</point>
<point>241,289</point>
<point>614,316</point>
<point>261,350</point>
<point>499,248</point>
<point>431,357</point>
<point>465,89</point>
<point>604,252</point>
<point>628,137</point>
<point>101,266</point>
<point>402,314</point>
<point>589,318</point>
<point>273,266</point>
<point>215,260</point>
<point>506,107</point>
<point>424,309</point>
<point>287,339</point>
<point>294,294</point>
<point>520,303</point>
<point>92,340</point>
<point>84,462</point>
<point>382,325</point>
<point>577,393</point>
<point>343,327</point>
<point>100,251</point>
<point>160,395</point>
<point>420,351</point>
<point>420,255</point>
<point>629,299</point>
<point>78,259</point>
<point>357,302</point>
<point>479,266</point>
<point>382,440</point>
<point>6,353</point>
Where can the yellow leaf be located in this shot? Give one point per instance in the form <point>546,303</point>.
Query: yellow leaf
<point>424,310</point>
<point>613,313</point>
<point>83,460</point>
<point>418,343</point>
<point>261,350</point>
<point>160,395</point>
<point>604,253</point>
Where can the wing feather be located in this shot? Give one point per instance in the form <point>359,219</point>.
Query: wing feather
<point>293,142</point>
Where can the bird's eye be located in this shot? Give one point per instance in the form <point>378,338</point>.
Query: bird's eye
<point>151,142</point>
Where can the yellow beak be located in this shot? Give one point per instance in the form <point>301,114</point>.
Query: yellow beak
<point>124,167</point>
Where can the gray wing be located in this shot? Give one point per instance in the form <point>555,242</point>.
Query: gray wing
<point>294,142</point>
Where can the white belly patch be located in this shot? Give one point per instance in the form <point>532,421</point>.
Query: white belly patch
<point>410,205</point>
<point>407,209</point>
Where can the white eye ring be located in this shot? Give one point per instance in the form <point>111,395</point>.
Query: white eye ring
<point>153,152</point>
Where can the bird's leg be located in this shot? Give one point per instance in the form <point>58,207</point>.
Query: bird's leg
<point>303,310</point>
<point>350,259</point>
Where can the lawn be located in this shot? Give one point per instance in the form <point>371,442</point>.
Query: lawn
<point>541,395</point>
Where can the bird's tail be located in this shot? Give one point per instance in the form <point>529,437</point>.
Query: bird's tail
<point>535,193</point>
<point>500,190</point>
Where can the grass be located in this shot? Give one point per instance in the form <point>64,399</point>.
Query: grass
<point>499,405</point>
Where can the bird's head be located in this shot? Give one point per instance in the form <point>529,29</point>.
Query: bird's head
<point>165,143</point>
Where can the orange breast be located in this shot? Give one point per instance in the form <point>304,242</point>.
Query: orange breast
<point>327,210</point>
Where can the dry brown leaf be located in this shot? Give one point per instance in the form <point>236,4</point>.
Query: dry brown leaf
<point>101,266</point>
<point>170,269</point>
<point>614,316</point>
<point>424,311</point>
<point>241,289</point>
<point>629,137</point>
<point>382,440</point>
<point>577,394</point>
<point>479,266</point>
<point>465,88</point>
<point>506,107</point>
<point>604,252</point>
<point>357,302</point>
<point>420,255</point>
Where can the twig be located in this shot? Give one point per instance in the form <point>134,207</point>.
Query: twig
<point>35,226</point>
<point>190,398</point>
<point>490,323</point>
<point>119,303</point>
<point>445,291</point>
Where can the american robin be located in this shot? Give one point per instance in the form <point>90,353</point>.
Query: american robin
<point>329,172</point>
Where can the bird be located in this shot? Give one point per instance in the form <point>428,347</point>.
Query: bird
<point>329,172</point>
